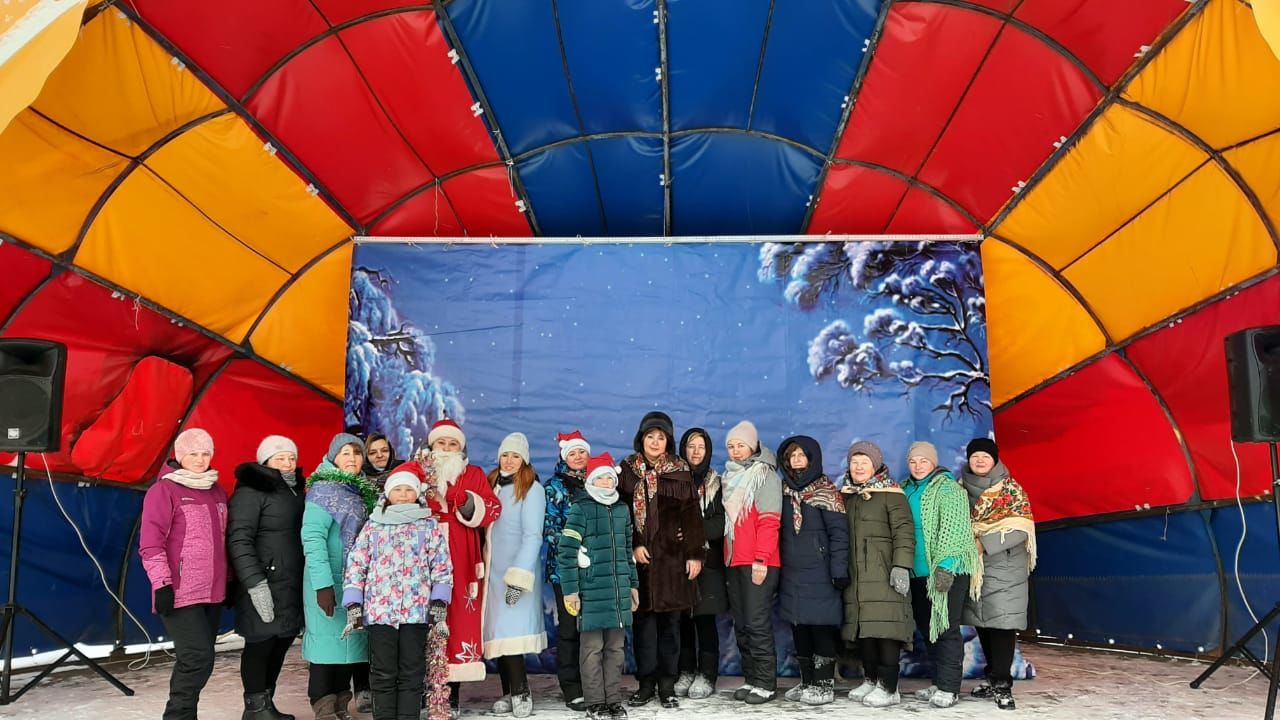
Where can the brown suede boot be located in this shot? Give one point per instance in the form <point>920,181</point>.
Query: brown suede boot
<point>324,708</point>
<point>341,705</point>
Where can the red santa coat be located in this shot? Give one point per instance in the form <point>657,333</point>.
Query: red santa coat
<point>466,608</point>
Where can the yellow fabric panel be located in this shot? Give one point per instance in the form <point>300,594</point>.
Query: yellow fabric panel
<point>1267,15</point>
<point>119,88</point>
<point>1035,328</point>
<point>1123,162</point>
<point>1217,77</point>
<point>34,37</point>
<point>50,181</point>
<point>314,308</point>
<point>1201,238</point>
<point>223,169</point>
<point>1259,164</point>
<point>152,242</point>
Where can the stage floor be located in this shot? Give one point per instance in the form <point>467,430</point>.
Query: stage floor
<point>1077,684</point>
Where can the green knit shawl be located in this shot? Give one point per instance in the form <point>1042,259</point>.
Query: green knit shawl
<point>944,515</point>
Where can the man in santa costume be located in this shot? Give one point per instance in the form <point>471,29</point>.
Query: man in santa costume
<point>462,499</point>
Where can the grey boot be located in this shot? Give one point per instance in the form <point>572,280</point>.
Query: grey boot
<point>823,689</point>
<point>342,704</point>
<point>806,679</point>
<point>324,708</point>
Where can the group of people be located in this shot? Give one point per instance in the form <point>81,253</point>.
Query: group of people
<point>404,577</point>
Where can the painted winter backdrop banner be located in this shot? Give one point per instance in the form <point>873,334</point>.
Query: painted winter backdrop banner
<point>840,341</point>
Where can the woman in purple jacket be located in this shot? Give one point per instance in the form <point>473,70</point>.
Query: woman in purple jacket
<point>182,542</point>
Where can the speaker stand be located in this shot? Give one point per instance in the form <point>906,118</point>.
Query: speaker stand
<point>1240,646</point>
<point>12,609</point>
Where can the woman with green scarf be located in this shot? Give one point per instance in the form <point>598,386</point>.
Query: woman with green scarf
<point>945,560</point>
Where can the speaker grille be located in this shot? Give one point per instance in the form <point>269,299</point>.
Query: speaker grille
<point>24,410</point>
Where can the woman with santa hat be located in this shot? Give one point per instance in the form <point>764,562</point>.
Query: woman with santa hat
<point>567,480</point>
<point>464,502</point>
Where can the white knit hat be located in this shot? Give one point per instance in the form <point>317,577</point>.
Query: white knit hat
<point>516,443</point>
<point>407,474</point>
<point>273,444</point>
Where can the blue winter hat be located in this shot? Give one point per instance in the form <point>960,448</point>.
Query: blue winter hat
<point>339,441</point>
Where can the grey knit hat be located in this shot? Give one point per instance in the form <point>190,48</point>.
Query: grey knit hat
<point>868,448</point>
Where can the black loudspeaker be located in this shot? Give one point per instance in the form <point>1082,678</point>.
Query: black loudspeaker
<point>32,373</point>
<point>1253,383</point>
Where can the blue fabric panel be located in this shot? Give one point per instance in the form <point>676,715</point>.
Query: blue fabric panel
<point>813,54</point>
<point>629,169</point>
<point>512,47</point>
<point>1139,582</point>
<point>1259,573</point>
<point>562,191</point>
<point>612,49</point>
<point>732,184</point>
<point>56,580</point>
<point>713,50</point>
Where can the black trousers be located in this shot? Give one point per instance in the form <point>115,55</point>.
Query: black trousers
<point>567,649</point>
<point>815,640</point>
<point>192,629</point>
<point>998,646</point>
<point>260,663</point>
<point>880,658</point>
<point>700,646</point>
<point>656,643</point>
<point>397,669</point>
<point>325,680</point>
<point>360,677</point>
<point>947,652</point>
<point>511,672</point>
<point>752,607</point>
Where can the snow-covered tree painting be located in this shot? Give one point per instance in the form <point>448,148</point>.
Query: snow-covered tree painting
<point>391,387</point>
<point>921,316</point>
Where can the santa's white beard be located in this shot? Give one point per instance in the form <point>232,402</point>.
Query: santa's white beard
<point>448,467</point>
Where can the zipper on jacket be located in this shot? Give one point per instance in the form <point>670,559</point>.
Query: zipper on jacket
<point>613,552</point>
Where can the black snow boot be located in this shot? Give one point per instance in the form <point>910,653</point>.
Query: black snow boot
<point>648,690</point>
<point>256,707</point>
<point>1002,693</point>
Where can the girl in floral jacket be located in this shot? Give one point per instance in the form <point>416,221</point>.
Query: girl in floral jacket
<point>398,583</point>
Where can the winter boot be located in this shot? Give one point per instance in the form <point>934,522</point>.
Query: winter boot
<point>926,694</point>
<point>667,693</point>
<point>823,689</point>
<point>271,703</point>
<point>341,705</point>
<point>760,696</point>
<point>578,704</point>
<point>599,712</point>
<point>704,682</point>
<point>806,679</point>
<point>682,684</point>
<point>860,693</point>
<point>647,691</point>
<point>618,711</point>
<point>1002,693</point>
<point>743,691</point>
<point>881,698</point>
<point>256,707</point>
<point>502,706</point>
<point>323,708</point>
<point>521,704</point>
<point>364,701</point>
<point>983,691</point>
<point>943,699</point>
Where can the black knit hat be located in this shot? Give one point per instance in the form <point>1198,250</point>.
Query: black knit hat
<point>660,421</point>
<point>986,445</point>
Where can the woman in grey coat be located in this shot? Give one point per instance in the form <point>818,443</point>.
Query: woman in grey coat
<point>1005,532</point>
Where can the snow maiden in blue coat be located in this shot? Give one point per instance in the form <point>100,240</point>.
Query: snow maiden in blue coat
<point>814,540</point>
<point>513,622</point>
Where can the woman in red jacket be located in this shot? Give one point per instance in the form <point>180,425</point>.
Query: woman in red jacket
<point>753,508</point>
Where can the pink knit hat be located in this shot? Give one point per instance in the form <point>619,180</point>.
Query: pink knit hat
<point>192,440</point>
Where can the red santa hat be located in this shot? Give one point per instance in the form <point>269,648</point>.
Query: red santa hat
<point>571,441</point>
<point>599,465</point>
<point>409,474</point>
<point>446,428</point>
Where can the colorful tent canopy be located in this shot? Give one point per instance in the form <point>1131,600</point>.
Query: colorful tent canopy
<point>178,202</point>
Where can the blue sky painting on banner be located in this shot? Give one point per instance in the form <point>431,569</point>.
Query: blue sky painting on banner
<point>835,340</point>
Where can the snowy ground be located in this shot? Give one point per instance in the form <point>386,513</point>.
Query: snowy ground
<point>1072,684</point>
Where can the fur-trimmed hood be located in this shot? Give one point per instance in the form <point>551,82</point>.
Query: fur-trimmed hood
<point>264,479</point>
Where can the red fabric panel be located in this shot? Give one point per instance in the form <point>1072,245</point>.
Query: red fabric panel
<point>1185,361</point>
<point>406,59</point>
<point>922,212</point>
<point>486,203</point>
<point>340,11</point>
<point>1094,442</point>
<point>427,213</point>
<point>124,442</point>
<point>1104,34</point>
<point>105,337</point>
<point>235,41</point>
<point>922,64</point>
<point>23,271</point>
<point>856,199</point>
<point>320,108</point>
<point>1023,99</point>
<point>1002,6</point>
<point>249,401</point>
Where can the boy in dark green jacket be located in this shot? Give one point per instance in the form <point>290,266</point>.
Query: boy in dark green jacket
<point>598,576</point>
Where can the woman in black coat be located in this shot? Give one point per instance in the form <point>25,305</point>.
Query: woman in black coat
<point>814,540</point>
<point>264,543</point>
<point>699,636</point>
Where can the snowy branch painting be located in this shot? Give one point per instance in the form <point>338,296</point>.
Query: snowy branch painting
<point>391,386</point>
<point>923,316</point>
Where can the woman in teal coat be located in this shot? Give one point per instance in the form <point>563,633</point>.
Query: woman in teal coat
<point>338,503</point>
